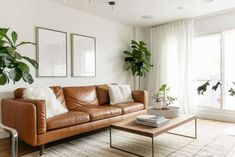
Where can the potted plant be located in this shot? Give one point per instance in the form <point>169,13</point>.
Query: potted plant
<point>162,99</point>
<point>162,102</point>
<point>13,67</point>
<point>138,59</point>
<point>12,63</point>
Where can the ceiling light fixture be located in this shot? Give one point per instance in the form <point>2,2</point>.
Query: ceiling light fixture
<point>147,17</point>
<point>207,1</point>
<point>112,4</point>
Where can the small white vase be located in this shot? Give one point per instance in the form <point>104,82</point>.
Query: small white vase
<point>158,105</point>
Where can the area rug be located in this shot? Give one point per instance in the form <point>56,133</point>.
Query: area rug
<point>166,145</point>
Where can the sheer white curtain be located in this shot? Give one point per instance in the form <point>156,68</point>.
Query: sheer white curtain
<point>171,48</point>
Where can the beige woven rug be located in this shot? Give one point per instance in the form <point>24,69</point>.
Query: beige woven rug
<point>166,145</point>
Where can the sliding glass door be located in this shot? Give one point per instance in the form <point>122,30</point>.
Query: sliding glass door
<point>213,58</point>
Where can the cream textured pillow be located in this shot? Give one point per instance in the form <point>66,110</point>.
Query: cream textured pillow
<point>53,106</point>
<point>120,94</point>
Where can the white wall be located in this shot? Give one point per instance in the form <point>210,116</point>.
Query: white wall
<point>111,38</point>
<point>214,24</point>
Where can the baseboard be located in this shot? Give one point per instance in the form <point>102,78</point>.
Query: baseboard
<point>215,114</point>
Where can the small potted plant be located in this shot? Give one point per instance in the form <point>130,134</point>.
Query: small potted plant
<point>162,102</point>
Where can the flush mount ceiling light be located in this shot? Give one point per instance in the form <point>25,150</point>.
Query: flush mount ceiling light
<point>207,1</point>
<point>147,17</point>
<point>112,4</point>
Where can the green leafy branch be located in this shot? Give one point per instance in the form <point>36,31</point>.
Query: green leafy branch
<point>203,88</point>
<point>12,65</point>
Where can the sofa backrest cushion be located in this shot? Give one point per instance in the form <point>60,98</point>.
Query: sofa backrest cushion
<point>103,94</point>
<point>79,96</point>
<point>58,91</point>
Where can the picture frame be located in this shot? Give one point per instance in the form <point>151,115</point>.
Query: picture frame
<point>51,52</point>
<point>83,56</point>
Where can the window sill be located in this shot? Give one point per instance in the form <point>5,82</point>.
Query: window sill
<point>215,114</point>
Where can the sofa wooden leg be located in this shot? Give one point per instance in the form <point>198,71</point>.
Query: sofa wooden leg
<point>41,149</point>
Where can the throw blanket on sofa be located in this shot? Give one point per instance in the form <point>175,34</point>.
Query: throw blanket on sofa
<point>53,106</point>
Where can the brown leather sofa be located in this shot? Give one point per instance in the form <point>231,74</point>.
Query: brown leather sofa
<point>88,106</point>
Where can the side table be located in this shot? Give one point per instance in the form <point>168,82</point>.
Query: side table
<point>14,139</point>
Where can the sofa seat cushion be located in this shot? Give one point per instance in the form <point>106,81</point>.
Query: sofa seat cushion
<point>130,107</point>
<point>100,112</point>
<point>67,119</point>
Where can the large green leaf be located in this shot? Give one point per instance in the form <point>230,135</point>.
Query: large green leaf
<point>11,51</point>
<point>141,43</point>
<point>133,42</point>
<point>8,63</point>
<point>7,56</point>
<point>3,32</point>
<point>15,75</point>
<point>28,78</point>
<point>25,43</point>
<point>134,46</point>
<point>18,56</point>
<point>14,36</point>
<point>128,53</point>
<point>3,78</point>
<point>163,87</point>
<point>33,62</point>
<point>23,67</point>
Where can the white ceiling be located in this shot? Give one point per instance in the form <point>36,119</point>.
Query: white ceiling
<point>131,11</point>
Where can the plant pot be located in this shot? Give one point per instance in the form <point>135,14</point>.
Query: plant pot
<point>170,112</point>
<point>157,105</point>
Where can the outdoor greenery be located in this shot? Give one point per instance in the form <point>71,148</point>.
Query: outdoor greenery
<point>138,59</point>
<point>203,88</point>
<point>163,95</point>
<point>12,65</point>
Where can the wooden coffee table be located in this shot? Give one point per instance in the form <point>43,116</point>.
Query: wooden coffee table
<point>130,126</point>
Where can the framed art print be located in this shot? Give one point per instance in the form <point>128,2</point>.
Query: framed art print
<point>83,56</point>
<point>51,53</point>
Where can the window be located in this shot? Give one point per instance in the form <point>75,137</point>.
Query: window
<point>213,58</point>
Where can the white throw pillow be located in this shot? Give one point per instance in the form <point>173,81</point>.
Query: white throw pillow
<point>53,106</point>
<point>120,94</point>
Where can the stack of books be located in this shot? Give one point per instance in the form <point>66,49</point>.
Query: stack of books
<point>152,120</point>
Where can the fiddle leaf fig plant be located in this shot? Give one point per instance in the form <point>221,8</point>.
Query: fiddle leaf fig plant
<point>14,66</point>
<point>138,59</point>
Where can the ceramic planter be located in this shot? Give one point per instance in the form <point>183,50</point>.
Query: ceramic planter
<point>158,105</point>
<point>170,112</point>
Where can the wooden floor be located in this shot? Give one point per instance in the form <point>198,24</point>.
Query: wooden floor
<point>207,125</point>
